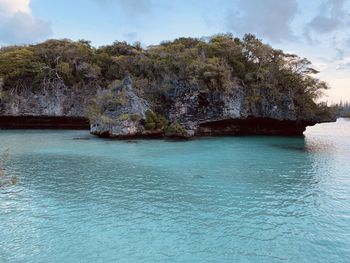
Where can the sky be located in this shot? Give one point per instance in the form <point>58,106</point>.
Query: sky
<point>316,29</point>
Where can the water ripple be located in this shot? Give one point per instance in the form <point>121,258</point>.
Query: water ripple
<point>256,199</point>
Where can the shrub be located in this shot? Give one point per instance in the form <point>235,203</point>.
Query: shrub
<point>213,64</point>
<point>123,117</point>
<point>107,120</point>
<point>121,100</point>
<point>94,111</point>
<point>150,126</point>
<point>150,121</point>
<point>64,70</point>
<point>135,117</point>
<point>175,129</point>
<point>3,95</point>
<point>155,121</point>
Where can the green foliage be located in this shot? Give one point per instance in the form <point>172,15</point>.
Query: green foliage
<point>155,121</point>
<point>215,63</point>
<point>123,117</point>
<point>114,83</point>
<point>42,65</point>
<point>65,71</point>
<point>18,64</point>
<point>150,126</point>
<point>3,95</point>
<point>94,111</point>
<point>135,117</point>
<point>107,120</point>
<point>121,100</point>
<point>325,113</point>
<point>175,129</point>
<point>150,121</point>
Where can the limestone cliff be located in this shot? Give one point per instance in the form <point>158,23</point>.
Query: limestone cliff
<point>220,113</point>
<point>57,106</point>
<point>187,87</point>
<point>191,111</point>
<point>120,112</point>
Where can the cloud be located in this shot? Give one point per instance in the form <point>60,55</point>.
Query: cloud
<point>129,6</point>
<point>10,7</point>
<point>270,19</point>
<point>331,17</point>
<point>18,25</point>
<point>343,64</point>
<point>24,28</point>
<point>347,42</point>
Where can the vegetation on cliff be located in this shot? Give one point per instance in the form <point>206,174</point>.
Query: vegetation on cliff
<point>213,64</point>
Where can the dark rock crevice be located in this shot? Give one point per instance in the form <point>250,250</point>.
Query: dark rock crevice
<point>229,127</point>
<point>44,122</point>
<point>253,126</point>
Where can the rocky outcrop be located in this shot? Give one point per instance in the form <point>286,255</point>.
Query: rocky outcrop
<point>183,88</point>
<point>253,126</point>
<point>206,113</point>
<point>55,107</point>
<point>120,113</point>
<point>58,100</point>
<point>191,111</point>
<point>187,110</point>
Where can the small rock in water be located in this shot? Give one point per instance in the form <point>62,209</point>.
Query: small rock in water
<point>81,139</point>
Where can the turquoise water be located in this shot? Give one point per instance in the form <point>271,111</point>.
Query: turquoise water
<point>241,199</point>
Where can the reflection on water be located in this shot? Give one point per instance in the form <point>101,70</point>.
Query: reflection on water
<point>300,146</point>
<point>254,199</point>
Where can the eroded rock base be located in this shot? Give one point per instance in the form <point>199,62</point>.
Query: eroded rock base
<point>43,122</point>
<point>253,126</point>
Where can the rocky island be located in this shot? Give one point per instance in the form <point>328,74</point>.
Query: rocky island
<point>188,87</point>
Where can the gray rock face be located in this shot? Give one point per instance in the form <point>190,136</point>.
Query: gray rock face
<point>57,101</point>
<point>194,109</point>
<point>191,106</point>
<point>122,112</point>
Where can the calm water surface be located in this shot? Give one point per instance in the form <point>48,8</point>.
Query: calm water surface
<point>243,199</point>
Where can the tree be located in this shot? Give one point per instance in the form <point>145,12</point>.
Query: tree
<point>209,64</point>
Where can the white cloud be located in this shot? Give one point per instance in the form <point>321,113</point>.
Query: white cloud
<point>343,64</point>
<point>331,17</point>
<point>269,18</point>
<point>18,25</point>
<point>10,7</point>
